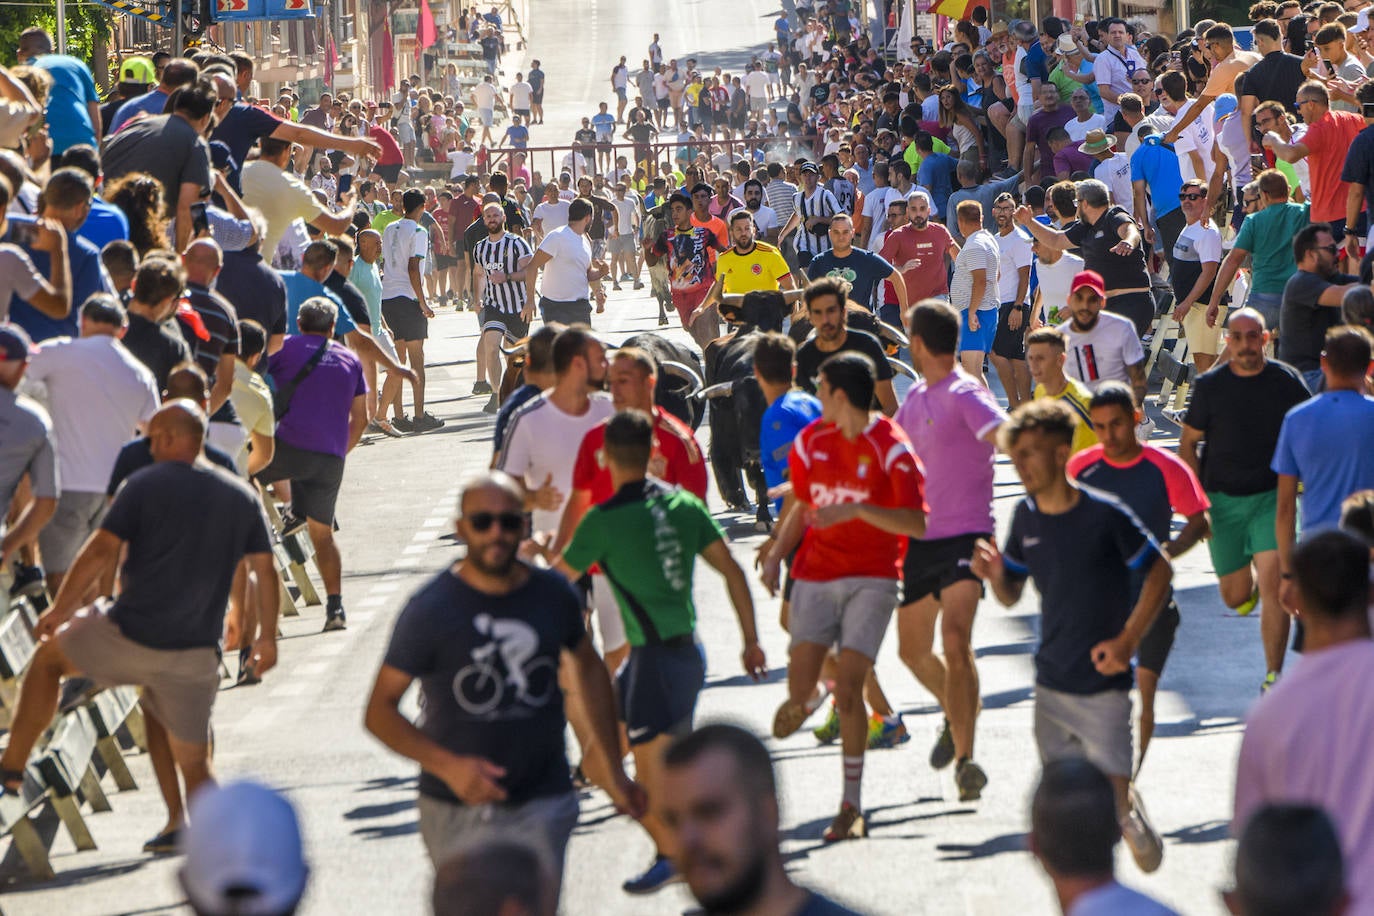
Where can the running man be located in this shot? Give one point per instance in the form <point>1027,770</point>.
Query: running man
<point>1047,350</point>
<point>501,266</point>
<point>1081,548</point>
<point>861,489</point>
<point>1154,484</point>
<point>646,539</point>
<point>952,420</point>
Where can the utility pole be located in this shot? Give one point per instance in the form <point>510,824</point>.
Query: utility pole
<point>61,26</point>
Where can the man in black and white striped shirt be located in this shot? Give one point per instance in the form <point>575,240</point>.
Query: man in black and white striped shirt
<point>814,206</point>
<point>501,264</point>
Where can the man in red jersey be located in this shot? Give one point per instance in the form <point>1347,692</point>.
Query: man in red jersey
<point>858,495</point>
<point>676,459</point>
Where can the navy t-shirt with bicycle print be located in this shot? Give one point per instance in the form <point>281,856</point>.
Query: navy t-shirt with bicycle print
<point>488,672</point>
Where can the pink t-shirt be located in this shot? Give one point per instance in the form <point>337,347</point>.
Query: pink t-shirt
<point>946,423</point>
<point>1308,741</point>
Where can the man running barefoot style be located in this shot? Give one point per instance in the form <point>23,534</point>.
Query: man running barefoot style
<point>1081,548</point>
<point>952,420</point>
<point>860,493</point>
<point>646,539</point>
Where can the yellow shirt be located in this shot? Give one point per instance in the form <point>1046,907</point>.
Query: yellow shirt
<point>760,269</point>
<point>1077,396</point>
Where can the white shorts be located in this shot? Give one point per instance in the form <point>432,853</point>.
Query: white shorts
<point>487,116</point>
<point>774,79</point>
<point>385,342</point>
<point>608,618</point>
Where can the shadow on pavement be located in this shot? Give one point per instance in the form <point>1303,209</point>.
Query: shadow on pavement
<point>1206,832</point>
<point>774,676</point>
<point>366,812</point>
<point>958,852</point>
<point>390,782</point>
<point>388,832</point>
<point>1010,648</point>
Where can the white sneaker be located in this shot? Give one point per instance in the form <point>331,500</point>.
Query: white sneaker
<point>1145,429</point>
<point>1140,836</point>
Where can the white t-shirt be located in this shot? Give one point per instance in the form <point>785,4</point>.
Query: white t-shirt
<point>97,394</point>
<point>520,95</point>
<point>930,107</point>
<point>1196,136</point>
<point>401,241</point>
<point>485,95</point>
<point>766,219</point>
<point>541,442</point>
<point>1199,243</point>
<point>1103,353</point>
<point>1056,280</point>
<point>1115,173</point>
<point>1016,253</point>
<point>875,208</point>
<point>625,211</point>
<point>756,82</point>
<point>462,161</point>
<point>552,215</point>
<point>1025,97</point>
<point>1078,130</point>
<point>565,276</point>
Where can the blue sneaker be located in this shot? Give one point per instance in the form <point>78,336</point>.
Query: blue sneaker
<point>885,733</point>
<point>660,874</point>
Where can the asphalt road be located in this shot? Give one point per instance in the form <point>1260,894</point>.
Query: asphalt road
<point>301,730</point>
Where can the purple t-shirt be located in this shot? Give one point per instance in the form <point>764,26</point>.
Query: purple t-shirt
<point>946,423</point>
<point>317,420</point>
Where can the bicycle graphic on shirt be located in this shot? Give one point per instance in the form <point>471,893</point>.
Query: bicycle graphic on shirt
<point>505,663</point>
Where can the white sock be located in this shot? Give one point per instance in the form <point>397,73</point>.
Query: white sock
<point>853,780</point>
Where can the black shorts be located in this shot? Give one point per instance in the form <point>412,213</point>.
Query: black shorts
<point>523,112</point>
<point>932,566</point>
<point>661,103</point>
<point>537,97</point>
<point>1154,647</point>
<point>315,478</point>
<point>405,319</point>
<point>513,326</point>
<point>444,261</point>
<point>1137,308</point>
<point>658,689</point>
<point>1007,343</point>
<point>604,148</point>
<point>579,311</point>
<point>389,173</point>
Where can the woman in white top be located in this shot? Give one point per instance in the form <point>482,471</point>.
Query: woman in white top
<point>958,118</point>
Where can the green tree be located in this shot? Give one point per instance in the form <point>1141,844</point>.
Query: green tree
<point>87,26</point>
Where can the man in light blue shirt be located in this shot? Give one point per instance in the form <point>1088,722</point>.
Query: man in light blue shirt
<point>73,113</point>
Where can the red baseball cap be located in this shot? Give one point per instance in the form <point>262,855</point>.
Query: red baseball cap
<point>1092,280</point>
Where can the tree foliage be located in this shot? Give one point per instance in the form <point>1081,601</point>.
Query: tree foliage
<point>86,22</point>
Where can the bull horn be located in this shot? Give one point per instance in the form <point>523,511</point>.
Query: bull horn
<point>892,334</point>
<point>718,390</point>
<point>684,372</point>
<point>902,367</point>
<point>516,349</point>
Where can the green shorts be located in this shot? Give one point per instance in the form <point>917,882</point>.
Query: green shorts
<point>1242,526</point>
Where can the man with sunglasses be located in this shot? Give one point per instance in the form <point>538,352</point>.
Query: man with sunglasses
<point>1275,78</point>
<point>1312,301</point>
<point>1330,134</point>
<point>1193,265</point>
<point>490,746</point>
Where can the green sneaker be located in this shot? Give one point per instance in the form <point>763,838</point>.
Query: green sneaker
<point>1270,680</point>
<point>830,730</point>
<point>1249,604</point>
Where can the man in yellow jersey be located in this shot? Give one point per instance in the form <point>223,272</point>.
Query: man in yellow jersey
<point>1046,352</point>
<point>748,266</point>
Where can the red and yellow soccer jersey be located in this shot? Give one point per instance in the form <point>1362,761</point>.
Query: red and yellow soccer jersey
<point>879,468</point>
<point>676,459</point>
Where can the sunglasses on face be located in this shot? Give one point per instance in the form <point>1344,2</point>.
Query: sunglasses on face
<point>510,522</point>
<point>1331,248</point>
<point>1191,196</point>
<point>1251,201</point>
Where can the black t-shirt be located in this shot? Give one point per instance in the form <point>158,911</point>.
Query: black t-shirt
<point>463,646</point>
<point>254,289</point>
<point>1095,243</point>
<point>1275,78</point>
<point>1303,322</point>
<point>810,356</point>
<point>186,527</point>
<point>159,346</point>
<point>1359,165</point>
<point>1082,562</point>
<point>1240,418</point>
<point>474,233</point>
<point>820,92</point>
<point>352,298</point>
<point>641,133</point>
<point>137,454</point>
<point>585,136</point>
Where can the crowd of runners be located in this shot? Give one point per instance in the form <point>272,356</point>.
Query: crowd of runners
<point>210,296</point>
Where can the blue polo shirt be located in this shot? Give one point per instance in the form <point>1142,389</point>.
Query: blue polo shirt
<point>299,288</point>
<point>784,419</point>
<point>1157,166</point>
<point>150,103</point>
<point>1327,442</point>
<point>69,120</point>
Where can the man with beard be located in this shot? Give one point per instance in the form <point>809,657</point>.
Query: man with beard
<point>825,306</point>
<point>491,750</point>
<point>1013,292</point>
<point>1102,346</point>
<point>506,283</point>
<point>748,266</point>
<point>862,269</point>
<point>720,803</point>
<point>922,251</point>
<point>766,220</point>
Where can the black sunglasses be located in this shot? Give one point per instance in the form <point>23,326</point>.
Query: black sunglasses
<point>510,522</point>
<point>1191,196</point>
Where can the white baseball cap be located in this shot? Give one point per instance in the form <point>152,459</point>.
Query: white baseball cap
<point>243,852</point>
<point>1361,22</point>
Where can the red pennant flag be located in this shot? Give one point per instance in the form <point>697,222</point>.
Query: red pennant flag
<point>425,34</point>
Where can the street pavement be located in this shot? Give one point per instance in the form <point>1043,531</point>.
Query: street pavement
<point>301,730</point>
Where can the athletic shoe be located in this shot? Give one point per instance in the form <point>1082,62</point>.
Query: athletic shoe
<point>1145,429</point>
<point>886,733</point>
<point>1145,845</point>
<point>28,580</point>
<point>481,386</point>
<point>403,423</point>
<point>492,406</point>
<point>382,426</point>
<point>248,675</point>
<point>659,875</point>
<point>1270,680</point>
<point>427,422</point>
<point>617,287</point>
<point>942,754</point>
<point>164,843</point>
<point>639,284</point>
<point>291,523</point>
<point>1249,604</point>
<point>626,278</point>
<point>970,780</point>
<point>791,716</point>
<point>335,619</point>
<point>849,824</point>
<point>830,730</point>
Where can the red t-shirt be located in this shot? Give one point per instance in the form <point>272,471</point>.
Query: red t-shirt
<point>878,467</point>
<point>1327,142</point>
<point>920,256</point>
<point>676,459</point>
<point>462,213</point>
<point>391,152</point>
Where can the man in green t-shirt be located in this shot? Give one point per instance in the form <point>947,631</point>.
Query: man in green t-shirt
<point>1267,235</point>
<point>646,539</point>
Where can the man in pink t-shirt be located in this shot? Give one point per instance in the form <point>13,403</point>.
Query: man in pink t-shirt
<point>1308,739</point>
<point>952,420</point>
<point>919,250</point>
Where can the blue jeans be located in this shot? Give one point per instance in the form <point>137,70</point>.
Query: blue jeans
<point>1268,305</point>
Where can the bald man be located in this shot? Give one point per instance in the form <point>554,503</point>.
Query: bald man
<point>213,335</point>
<point>182,528</point>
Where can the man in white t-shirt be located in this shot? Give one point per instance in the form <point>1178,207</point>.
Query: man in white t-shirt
<point>1102,346</point>
<point>521,94</point>
<point>1194,143</point>
<point>1193,265</point>
<point>1085,119</point>
<point>1054,273</point>
<point>756,84</point>
<point>404,249</point>
<point>1112,169</point>
<point>484,94</point>
<point>1013,295</point>
<point>99,396</point>
<point>623,247</point>
<point>551,214</point>
<point>565,256</point>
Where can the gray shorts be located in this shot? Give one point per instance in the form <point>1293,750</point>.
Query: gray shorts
<point>1095,725</point>
<point>850,613</point>
<point>544,824</point>
<point>179,685</point>
<point>621,244</point>
<point>78,514</point>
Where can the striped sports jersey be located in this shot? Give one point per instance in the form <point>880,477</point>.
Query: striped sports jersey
<point>504,254</point>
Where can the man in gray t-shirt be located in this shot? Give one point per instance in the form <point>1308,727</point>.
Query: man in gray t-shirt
<point>26,446</point>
